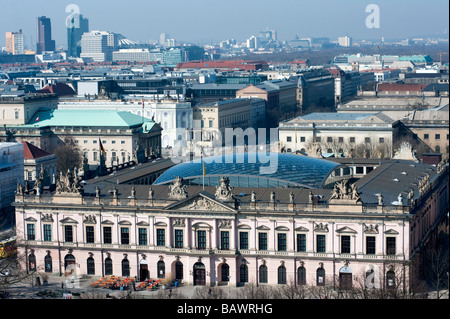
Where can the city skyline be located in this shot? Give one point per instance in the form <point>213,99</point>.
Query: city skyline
<point>202,22</point>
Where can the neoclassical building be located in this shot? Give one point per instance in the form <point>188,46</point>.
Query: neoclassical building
<point>225,235</point>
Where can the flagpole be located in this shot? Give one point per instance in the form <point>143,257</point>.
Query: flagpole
<point>203,170</point>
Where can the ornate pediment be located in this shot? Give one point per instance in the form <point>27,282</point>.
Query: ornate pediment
<point>201,202</point>
<point>321,227</point>
<point>391,232</point>
<point>90,219</point>
<point>346,229</point>
<point>68,220</point>
<point>302,228</point>
<point>47,218</point>
<point>371,229</point>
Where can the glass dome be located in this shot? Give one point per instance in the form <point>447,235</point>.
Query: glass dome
<point>247,170</point>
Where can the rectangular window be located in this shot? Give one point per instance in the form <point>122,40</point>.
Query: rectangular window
<point>95,158</point>
<point>370,245</point>
<point>107,235</point>
<point>345,244</point>
<point>352,139</point>
<point>341,139</point>
<point>160,237</point>
<point>437,136</point>
<point>282,246</point>
<point>321,247</point>
<point>142,237</point>
<point>210,123</point>
<point>426,136</point>
<point>390,246</point>
<point>302,139</point>
<point>243,240</point>
<point>381,140</point>
<point>225,240</point>
<point>301,242</point>
<point>288,139</point>
<point>329,139</point>
<point>318,139</point>
<point>90,234</point>
<point>31,234</point>
<point>68,234</point>
<point>367,139</point>
<point>47,232</point>
<point>124,235</point>
<point>179,238</point>
<point>201,239</point>
<point>262,241</point>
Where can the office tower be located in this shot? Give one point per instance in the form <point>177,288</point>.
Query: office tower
<point>14,42</point>
<point>345,41</point>
<point>75,29</point>
<point>162,39</point>
<point>44,35</point>
<point>98,45</point>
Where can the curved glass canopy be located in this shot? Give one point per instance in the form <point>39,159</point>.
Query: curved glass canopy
<point>253,170</point>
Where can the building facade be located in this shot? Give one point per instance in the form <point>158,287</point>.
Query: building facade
<point>317,237</point>
<point>44,35</point>
<point>14,42</point>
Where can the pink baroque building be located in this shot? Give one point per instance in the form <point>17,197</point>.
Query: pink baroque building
<point>367,233</point>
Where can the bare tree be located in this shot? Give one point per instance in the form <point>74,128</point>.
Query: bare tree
<point>68,156</point>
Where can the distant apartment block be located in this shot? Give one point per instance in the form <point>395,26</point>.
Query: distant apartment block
<point>98,45</point>
<point>14,42</point>
<point>132,55</point>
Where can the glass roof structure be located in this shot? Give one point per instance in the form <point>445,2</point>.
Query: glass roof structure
<point>253,170</point>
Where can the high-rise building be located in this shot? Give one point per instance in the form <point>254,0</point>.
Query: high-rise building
<point>345,41</point>
<point>14,42</point>
<point>98,45</point>
<point>44,35</point>
<point>75,29</point>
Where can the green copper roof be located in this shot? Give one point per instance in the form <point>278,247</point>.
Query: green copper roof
<point>94,118</point>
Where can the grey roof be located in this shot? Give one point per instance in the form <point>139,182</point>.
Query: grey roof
<point>393,178</point>
<point>356,117</point>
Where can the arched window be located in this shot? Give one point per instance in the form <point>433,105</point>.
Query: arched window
<point>179,270</point>
<point>108,266</point>
<point>161,269</point>
<point>345,278</point>
<point>282,275</point>
<point>90,266</point>
<point>125,267</point>
<point>301,275</point>
<point>32,262</point>
<point>390,279</point>
<point>263,274</point>
<point>243,273</point>
<point>320,276</point>
<point>225,272</point>
<point>48,263</point>
<point>69,263</point>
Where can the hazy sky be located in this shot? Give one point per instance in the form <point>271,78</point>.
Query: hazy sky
<point>206,21</point>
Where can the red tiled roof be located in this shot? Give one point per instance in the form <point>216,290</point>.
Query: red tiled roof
<point>31,152</point>
<point>61,89</point>
<point>401,87</point>
<point>242,65</point>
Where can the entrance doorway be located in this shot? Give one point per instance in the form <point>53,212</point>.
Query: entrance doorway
<point>199,274</point>
<point>345,278</point>
<point>143,270</point>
